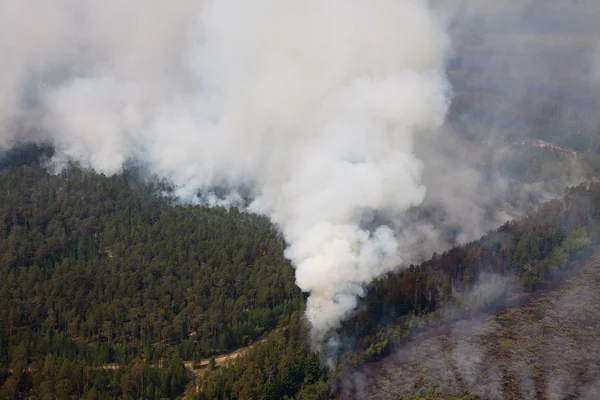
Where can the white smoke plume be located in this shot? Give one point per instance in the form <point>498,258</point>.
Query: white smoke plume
<point>314,104</point>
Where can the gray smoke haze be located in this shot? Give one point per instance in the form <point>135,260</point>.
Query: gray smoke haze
<point>520,71</point>
<point>313,104</point>
<point>595,70</point>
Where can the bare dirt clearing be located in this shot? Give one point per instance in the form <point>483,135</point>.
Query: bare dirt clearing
<point>219,360</point>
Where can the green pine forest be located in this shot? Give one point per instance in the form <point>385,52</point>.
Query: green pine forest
<point>97,272</point>
<point>111,289</point>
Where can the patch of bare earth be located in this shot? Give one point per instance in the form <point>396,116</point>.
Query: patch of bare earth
<point>219,361</point>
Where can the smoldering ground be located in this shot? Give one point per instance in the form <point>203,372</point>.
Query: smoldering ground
<point>546,348</point>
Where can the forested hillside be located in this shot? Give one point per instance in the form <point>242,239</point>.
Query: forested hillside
<point>99,271</point>
<point>108,287</point>
<point>519,257</point>
<point>368,133</point>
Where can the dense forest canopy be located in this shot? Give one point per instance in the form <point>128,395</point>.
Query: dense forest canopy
<point>110,289</point>
<point>100,270</point>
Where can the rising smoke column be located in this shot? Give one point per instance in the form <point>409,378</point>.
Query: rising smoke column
<point>314,104</point>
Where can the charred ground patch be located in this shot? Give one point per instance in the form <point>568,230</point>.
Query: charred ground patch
<point>548,348</point>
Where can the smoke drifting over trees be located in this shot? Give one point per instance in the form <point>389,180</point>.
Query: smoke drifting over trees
<point>314,105</point>
<point>328,111</point>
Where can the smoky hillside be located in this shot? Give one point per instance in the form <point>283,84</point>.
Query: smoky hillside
<point>310,200</point>
<point>522,123</point>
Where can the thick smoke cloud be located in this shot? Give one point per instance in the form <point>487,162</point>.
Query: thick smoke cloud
<point>314,105</point>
